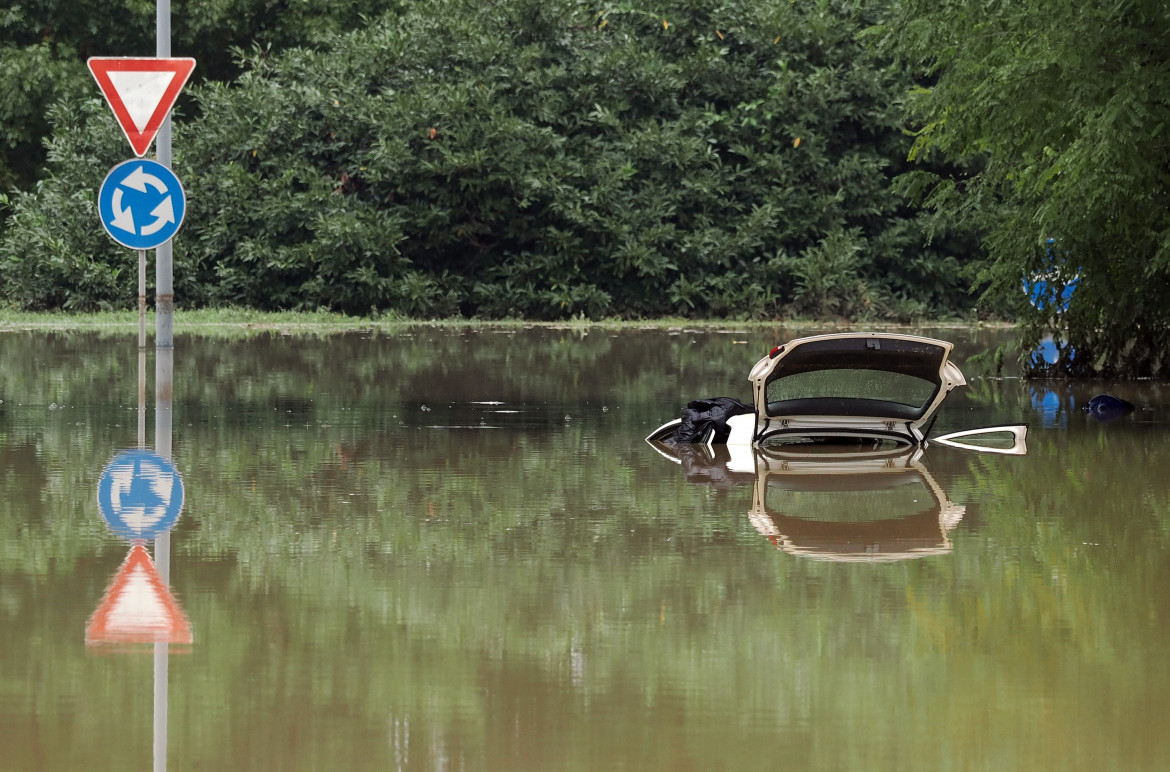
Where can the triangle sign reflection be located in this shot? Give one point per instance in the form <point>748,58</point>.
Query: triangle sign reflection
<point>138,607</point>
<point>141,91</point>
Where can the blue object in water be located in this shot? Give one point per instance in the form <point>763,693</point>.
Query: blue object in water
<point>1105,407</point>
<point>1053,407</point>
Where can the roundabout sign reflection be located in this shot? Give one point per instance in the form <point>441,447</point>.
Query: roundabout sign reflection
<point>140,494</point>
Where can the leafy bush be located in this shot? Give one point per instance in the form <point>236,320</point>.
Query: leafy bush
<point>43,47</point>
<point>543,160</point>
<point>1062,106</point>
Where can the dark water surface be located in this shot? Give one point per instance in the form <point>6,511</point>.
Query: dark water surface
<point>448,550</point>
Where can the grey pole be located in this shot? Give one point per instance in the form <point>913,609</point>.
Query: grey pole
<point>164,341</point>
<point>142,399</point>
<point>164,304</point>
<point>141,349</point>
<point>141,299</point>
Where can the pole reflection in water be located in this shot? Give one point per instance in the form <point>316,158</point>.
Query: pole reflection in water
<point>164,393</point>
<point>140,497</point>
<point>833,502</point>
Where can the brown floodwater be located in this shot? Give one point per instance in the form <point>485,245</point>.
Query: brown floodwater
<point>447,549</point>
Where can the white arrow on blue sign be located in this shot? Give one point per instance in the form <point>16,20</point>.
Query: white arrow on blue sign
<point>141,204</point>
<point>140,494</point>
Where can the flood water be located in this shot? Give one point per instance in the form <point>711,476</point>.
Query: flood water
<point>445,549</point>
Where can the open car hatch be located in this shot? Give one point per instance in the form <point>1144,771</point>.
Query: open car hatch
<point>849,384</point>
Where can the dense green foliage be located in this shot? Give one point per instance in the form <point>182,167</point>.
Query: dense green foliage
<point>44,45</point>
<point>524,159</point>
<point>1063,106</point>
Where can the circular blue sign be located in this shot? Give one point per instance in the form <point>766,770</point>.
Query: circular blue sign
<point>141,204</point>
<point>140,494</point>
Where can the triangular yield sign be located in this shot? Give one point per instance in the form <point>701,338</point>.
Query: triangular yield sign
<point>138,607</point>
<point>141,91</point>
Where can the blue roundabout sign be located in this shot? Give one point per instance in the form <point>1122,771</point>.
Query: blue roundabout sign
<point>141,203</point>
<point>140,494</point>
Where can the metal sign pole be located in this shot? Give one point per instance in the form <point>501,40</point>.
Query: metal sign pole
<point>141,349</point>
<point>164,341</point>
<point>164,304</point>
<point>142,399</point>
<point>141,299</point>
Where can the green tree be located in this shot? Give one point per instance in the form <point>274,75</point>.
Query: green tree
<point>44,45</point>
<point>1055,112</point>
<point>527,159</point>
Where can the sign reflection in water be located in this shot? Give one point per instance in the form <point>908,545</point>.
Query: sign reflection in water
<point>138,607</point>
<point>140,496</point>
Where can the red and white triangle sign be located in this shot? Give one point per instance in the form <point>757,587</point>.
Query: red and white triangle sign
<point>141,91</point>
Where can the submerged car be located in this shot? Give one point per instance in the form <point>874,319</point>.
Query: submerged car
<point>869,387</point>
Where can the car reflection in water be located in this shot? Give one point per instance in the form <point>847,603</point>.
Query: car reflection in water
<point>833,502</point>
<point>865,507</point>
